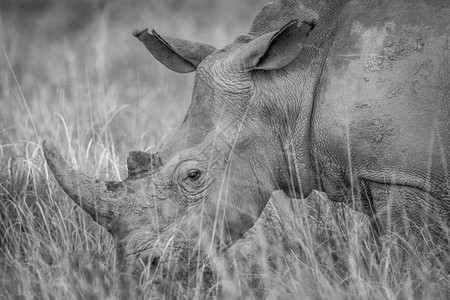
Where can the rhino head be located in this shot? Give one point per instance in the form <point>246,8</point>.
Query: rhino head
<point>211,180</point>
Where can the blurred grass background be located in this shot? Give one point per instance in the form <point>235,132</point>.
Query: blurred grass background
<point>71,72</point>
<point>76,62</point>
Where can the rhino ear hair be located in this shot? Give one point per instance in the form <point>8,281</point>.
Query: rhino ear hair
<point>274,50</point>
<point>181,56</point>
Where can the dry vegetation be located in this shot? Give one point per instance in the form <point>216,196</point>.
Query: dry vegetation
<point>71,72</point>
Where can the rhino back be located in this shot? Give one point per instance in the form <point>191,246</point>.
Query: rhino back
<point>382,106</point>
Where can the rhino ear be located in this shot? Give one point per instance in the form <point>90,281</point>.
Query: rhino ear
<point>178,55</point>
<point>273,50</point>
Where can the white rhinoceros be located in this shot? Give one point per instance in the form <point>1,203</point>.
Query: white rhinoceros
<point>348,97</point>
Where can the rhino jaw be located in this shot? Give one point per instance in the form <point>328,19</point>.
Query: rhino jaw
<point>93,196</point>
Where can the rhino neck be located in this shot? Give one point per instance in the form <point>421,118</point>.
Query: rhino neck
<point>288,96</point>
<point>286,104</point>
<point>283,113</point>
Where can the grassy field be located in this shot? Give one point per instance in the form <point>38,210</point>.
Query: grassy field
<point>71,72</point>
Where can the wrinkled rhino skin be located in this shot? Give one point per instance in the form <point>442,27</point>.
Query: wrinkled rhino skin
<point>348,97</point>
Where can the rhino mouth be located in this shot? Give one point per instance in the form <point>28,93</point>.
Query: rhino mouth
<point>176,271</point>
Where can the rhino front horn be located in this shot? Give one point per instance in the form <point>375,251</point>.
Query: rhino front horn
<point>97,198</point>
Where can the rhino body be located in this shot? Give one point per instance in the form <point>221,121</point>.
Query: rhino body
<point>348,97</point>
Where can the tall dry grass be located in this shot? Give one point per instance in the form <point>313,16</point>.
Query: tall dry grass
<point>71,72</point>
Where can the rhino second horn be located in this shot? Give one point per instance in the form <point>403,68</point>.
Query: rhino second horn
<point>96,197</point>
<point>140,162</point>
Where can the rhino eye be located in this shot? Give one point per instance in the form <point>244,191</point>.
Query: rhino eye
<point>193,174</point>
<point>193,181</point>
